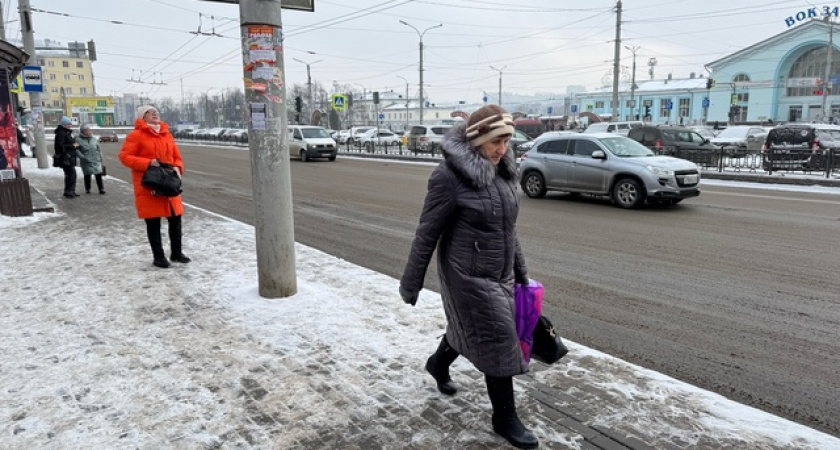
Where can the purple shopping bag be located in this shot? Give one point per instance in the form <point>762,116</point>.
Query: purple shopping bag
<point>528,301</point>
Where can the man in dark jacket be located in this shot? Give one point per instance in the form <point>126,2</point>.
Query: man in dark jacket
<point>65,155</point>
<point>470,215</point>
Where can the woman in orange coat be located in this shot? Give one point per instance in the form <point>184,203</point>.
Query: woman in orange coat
<point>150,144</point>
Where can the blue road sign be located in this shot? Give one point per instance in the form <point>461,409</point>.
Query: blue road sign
<point>381,116</point>
<point>669,106</point>
<point>705,102</point>
<point>573,109</point>
<point>549,110</point>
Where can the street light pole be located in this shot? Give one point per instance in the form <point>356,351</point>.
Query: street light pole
<point>420,35</point>
<point>309,84</point>
<point>826,109</point>
<point>633,83</point>
<point>500,82</point>
<point>406,102</point>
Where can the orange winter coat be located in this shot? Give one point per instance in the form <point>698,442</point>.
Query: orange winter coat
<point>142,146</point>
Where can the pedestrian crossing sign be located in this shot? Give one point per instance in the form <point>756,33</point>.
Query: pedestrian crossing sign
<point>339,102</point>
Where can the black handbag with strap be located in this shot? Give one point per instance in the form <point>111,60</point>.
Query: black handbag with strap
<point>163,180</point>
<point>548,347</point>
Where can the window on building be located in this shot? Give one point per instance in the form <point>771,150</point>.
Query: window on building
<point>742,97</point>
<point>51,63</point>
<point>40,61</point>
<point>808,69</point>
<point>740,114</point>
<point>685,107</point>
<point>80,64</point>
<point>65,63</point>
<point>55,90</point>
<point>66,76</point>
<point>663,108</point>
<point>83,90</point>
<point>68,91</point>
<point>56,103</point>
<point>52,76</point>
<point>741,78</point>
<point>599,105</point>
<point>81,78</point>
<point>437,115</point>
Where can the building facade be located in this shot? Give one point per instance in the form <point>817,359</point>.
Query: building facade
<point>786,78</point>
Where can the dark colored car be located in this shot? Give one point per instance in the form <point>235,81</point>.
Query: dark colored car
<point>108,136</point>
<point>800,146</point>
<point>670,139</point>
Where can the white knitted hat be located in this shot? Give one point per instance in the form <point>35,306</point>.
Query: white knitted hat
<point>142,110</point>
<point>486,129</point>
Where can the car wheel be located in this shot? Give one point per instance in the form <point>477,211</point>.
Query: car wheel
<point>332,158</point>
<point>533,184</point>
<point>627,193</point>
<point>303,156</point>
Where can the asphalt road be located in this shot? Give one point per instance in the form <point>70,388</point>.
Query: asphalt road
<point>734,291</point>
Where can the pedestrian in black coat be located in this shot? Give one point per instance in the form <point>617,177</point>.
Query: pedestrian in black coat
<point>470,216</point>
<point>66,153</point>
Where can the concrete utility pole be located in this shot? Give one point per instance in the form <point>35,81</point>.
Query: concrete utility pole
<point>616,61</point>
<point>419,34</point>
<point>826,81</point>
<point>500,82</point>
<point>406,102</point>
<point>262,56</point>
<point>633,83</point>
<point>309,86</point>
<point>34,97</point>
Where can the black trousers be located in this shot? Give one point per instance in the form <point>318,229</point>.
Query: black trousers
<point>153,232</point>
<point>69,180</point>
<point>98,182</point>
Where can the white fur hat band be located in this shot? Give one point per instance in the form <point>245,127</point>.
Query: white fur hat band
<point>142,110</point>
<point>491,127</point>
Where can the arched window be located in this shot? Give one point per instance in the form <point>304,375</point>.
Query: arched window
<point>741,78</point>
<point>812,65</point>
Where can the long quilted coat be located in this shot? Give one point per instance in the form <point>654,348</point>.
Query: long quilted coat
<point>141,146</point>
<point>470,215</point>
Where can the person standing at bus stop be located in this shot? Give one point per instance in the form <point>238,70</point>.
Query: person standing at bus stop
<point>65,155</point>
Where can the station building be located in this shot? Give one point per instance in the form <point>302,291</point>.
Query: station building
<point>780,79</point>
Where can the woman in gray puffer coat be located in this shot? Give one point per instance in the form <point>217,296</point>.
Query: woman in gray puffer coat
<point>90,156</point>
<point>470,215</point>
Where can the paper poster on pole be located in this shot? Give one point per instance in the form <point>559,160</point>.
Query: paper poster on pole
<point>258,118</point>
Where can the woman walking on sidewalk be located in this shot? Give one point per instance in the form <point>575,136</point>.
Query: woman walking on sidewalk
<point>150,144</point>
<point>470,214</point>
<point>65,155</point>
<point>91,158</point>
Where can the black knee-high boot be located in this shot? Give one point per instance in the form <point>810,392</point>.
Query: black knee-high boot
<point>153,232</point>
<point>438,366</point>
<point>100,184</point>
<point>175,240</point>
<point>506,422</point>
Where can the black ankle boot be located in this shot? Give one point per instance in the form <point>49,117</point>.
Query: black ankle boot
<point>438,367</point>
<point>163,263</point>
<point>506,422</point>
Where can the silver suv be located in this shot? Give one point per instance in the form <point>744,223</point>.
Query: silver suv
<point>606,164</point>
<point>426,138</point>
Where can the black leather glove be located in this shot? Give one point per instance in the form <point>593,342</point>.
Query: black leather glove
<point>522,279</point>
<point>409,297</point>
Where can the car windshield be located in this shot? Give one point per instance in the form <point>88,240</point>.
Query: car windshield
<point>313,133</point>
<point>626,147</point>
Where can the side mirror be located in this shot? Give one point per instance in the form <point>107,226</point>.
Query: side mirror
<point>599,154</point>
<point>706,141</point>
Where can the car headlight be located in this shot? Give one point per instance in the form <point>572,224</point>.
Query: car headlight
<point>660,171</point>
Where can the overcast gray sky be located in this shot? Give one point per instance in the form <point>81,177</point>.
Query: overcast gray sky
<point>540,45</point>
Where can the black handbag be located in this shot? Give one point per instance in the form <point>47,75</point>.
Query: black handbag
<point>163,180</point>
<point>104,171</point>
<point>548,347</point>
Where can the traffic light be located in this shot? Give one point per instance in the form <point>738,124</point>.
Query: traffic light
<point>647,110</point>
<point>298,104</point>
<point>709,83</point>
<point>375,97</point>
<point>349,100</point>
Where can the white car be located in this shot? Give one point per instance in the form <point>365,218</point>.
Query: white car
<point>375,137</point>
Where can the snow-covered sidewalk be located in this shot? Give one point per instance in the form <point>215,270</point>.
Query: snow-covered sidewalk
<point>103,350</point>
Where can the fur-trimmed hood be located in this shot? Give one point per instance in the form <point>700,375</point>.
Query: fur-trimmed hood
<point>468,162</point>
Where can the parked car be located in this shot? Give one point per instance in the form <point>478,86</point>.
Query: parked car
<point>108,136</point>
<point>799,146</point>
<point>355,133</point>
<point>239,135</point>
<point>518,141</point>
<point>606,164</point>
<point>671,139</point>
<point>741,138</point>
<point>426,138</point>
<point>621,128</point>
<point>376,137</point>
<point>308,142</point>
